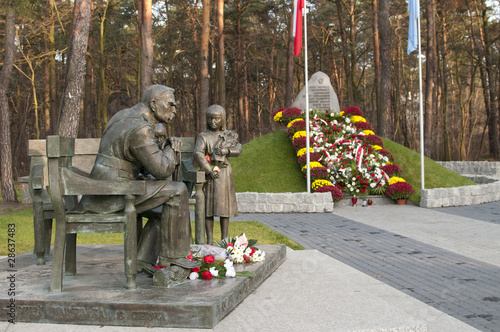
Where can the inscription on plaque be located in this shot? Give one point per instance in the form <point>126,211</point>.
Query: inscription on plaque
<point>321,95</point>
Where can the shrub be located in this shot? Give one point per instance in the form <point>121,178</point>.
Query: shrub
<point>336,193</point>
<point>352,110</point>
<point>399,190</point>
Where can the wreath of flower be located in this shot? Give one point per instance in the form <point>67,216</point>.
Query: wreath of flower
<point>303,151</point>
<point>396,179</point>
<point>386,154</point>
<point>336,193</point>
<point>300,142</point>
<point>373,140</point>
<point>319,173</point>
<point>320,183</point>
<point>295,126</point>
<point>345,144</point>
<point>298,134</point>
<point>312,165</point>
<point>360,125</point>
<point>392,169</point>
<point>313,156</point>
<point>399,190</point>
<point>352,110</point>
<point>291,113</point>
<point>241,250</point>
<point>357,118</point>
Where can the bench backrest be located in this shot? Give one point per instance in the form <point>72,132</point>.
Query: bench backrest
<point>84,155</point>
<point>85,152</point>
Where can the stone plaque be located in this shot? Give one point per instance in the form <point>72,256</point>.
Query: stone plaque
<point>321,95</point>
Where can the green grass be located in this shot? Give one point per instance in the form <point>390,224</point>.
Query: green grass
<point>268,164</point>
<point>24,238</point>
<point>435,175</point>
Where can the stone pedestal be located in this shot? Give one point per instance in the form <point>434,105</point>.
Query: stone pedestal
<point>96,295</point>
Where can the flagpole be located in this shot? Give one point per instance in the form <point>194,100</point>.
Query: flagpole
<point>306,78</point>
<point>422,171</point>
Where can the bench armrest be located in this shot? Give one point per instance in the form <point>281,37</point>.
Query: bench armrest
<point>74,183</point>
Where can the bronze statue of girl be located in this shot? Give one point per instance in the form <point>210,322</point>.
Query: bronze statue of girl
<point>212,150</point>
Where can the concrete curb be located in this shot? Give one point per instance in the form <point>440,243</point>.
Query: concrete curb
<point>486,173</point>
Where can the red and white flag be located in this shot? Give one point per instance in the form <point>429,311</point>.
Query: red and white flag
<point>297,25</point>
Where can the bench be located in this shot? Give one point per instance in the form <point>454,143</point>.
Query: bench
<point>85,152</point>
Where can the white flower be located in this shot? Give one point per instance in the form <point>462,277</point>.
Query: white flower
<point>230,272</point>
<point>228,263</point>
<point>213,271</point>
<point>193,276</point>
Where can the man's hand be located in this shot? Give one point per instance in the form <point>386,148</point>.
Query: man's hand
<point>175,143</point>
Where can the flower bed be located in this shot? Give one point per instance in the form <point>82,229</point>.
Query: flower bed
<point>346,157</point>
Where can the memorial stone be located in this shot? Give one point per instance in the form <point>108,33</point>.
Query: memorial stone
<point>321,95</point>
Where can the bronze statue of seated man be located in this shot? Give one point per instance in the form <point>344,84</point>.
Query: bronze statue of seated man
<point>128,146</point>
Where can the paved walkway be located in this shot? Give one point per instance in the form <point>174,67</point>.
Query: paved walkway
<point>379,268</point>
<point>437,256</point>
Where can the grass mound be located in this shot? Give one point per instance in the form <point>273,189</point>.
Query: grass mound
<point>268,164</point>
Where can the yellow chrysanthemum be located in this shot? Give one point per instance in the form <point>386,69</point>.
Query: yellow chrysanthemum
<point>388,163</point>
<point>357,118</point>
<point>303,150</point>
<point>368,132</point>
<point>278,116</point>
<point>293,121</point>
<point>395,179</point>
<point>313,164</point>
<point>341,113</point>
<point>377,147</point>
<point>298,134</point>
<point>320,183</point>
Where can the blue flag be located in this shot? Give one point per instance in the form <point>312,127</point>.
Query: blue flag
<point>412,26</point>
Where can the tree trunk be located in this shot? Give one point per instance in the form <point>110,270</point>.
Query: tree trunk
<point>384,115</point>
<point>89,105</point>
<point>205,77</point>
<point>73,89</point>
<point>493,131</point>
<point>8,189</point>
<point>101,120</point>
<point>376,56</point>
<point>444,97</point>
<point>52,74</point>
<point>430,80</point>
<point>146,39</point>
<point>345,52</point>
<point>240,76</point>
<point>221,62</point>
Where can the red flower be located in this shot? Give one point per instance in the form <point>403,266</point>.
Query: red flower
<point>158,267</point>
<point>195,269</point>
<point>230,245</point>
<point>246,258</point>
<point>209,259</point>
<point>252,251</point>
<point>190,257</point>
<point>206,275</point>
<point>207,157</point>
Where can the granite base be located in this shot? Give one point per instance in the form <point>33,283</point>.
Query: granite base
<point>97,294</point>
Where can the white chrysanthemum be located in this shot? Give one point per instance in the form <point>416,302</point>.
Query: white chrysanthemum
<point>213,271</point>
<point>193,276</point>
<point>230,272</point>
